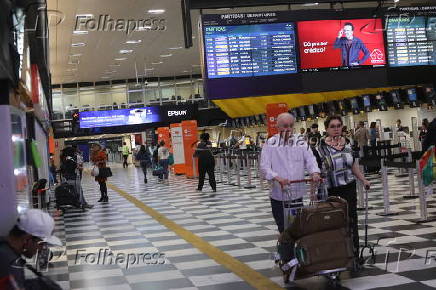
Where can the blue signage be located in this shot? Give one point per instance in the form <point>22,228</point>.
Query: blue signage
<point>95,119</point>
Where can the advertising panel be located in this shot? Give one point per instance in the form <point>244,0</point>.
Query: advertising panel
<point>335,44</point>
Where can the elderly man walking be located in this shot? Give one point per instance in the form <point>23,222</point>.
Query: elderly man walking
<point>285,157</point>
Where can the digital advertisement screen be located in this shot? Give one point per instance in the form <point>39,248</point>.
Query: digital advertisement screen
<point>411,94</point>
<point>336,44</point>
<point>366,101</point>
<point>250,50</point>
<point>93,119</point>
<point>411,41</point>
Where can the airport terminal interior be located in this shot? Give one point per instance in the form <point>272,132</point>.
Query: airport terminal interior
<point>218,144</point>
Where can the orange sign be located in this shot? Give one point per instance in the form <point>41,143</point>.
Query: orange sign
<point>272,111</point>
<point>190,139</point>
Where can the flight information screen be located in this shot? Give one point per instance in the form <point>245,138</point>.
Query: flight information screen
<point>411,41</point>
<point>250,50</point>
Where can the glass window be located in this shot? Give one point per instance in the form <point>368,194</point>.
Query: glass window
<point>57,101</point>
<point>87,98</point>
<point>71,98</point>
<point>135,93</point>
<point>151,92</point>
<point>184,89</point>
<point>119,95</point>
<point>167,88</point>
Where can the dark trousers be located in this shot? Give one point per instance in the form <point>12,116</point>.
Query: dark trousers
<point>125,164</point>
<point>103,189</point>
<point>144,169</point>
<point>278,212</point>
<point>210,170</point>
<point>164,164</point>
<point>348,192</point>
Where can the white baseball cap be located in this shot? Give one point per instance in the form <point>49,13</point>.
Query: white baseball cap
<point>39,224</point>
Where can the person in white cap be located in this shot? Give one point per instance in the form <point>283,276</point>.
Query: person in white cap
<point>33,228</point>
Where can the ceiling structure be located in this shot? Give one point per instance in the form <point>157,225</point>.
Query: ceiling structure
<point>160,53</point>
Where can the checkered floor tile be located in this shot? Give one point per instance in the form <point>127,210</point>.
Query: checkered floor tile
<point>236,220</point>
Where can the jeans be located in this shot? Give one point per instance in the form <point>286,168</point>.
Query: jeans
<point>103,189</point>
<point>348,192</point>
<point>202,174</point>
<point>164,164</point>
<point>278,213</point>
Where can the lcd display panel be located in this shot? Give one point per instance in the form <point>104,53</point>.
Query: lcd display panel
<point>411,41</point>
<point>341,44</point>
<point>123,117</point>
<point>250,50</point>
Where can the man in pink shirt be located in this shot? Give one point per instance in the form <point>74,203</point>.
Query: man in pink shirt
<point>285,157</point>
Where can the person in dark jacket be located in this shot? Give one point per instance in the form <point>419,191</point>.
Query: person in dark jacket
<point>351,46</point>
<point>430,137</point>
<point>144,158</point>
<point>206,162</point>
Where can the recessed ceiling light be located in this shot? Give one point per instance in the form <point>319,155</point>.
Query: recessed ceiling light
<point>185,71</point>
<point>116,64</point>
<point>78,32</point>
<point>156,11</point>
<point>174,48</point>
<point>121,58</point>
<point>76,55</point>
<point>105,77</point>
<point>126,51</point>
<point>134,41</point>
<point>166,55</point>
<point>150,68</point>
<point>78,44</point>
<point>84,15</point>
<point>160,62</point>
<point>143,28</point>
<point>310,4</point>
<point>195,65</point>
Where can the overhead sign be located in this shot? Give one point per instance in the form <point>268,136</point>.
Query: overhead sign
<point>137,116</point>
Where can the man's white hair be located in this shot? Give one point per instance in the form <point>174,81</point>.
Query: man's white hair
<point>283,117</point>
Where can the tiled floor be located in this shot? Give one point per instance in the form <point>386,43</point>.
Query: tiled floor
<point>238,222</point>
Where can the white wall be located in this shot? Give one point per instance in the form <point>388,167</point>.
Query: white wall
<point>389,118</point>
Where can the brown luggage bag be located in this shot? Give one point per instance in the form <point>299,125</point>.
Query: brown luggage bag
<point>326,250</point>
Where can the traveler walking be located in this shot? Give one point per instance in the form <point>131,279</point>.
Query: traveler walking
<point>430,137</point>
<point>99,158</point>
<point>340,170</point>
<point>373,134</point>
<point>206,162</point>
<point>126,153</point>
<point>144,158</point>
<point>361,136</point>
<point>284,158</point>
<point>163,155</point>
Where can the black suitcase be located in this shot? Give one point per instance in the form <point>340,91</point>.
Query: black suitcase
<point>66,196</point>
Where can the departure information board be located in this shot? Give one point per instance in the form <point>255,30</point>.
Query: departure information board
<point>411,41</point>
<point>250,50</point>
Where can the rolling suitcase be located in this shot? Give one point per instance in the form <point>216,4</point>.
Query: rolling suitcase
<point>66,196</point>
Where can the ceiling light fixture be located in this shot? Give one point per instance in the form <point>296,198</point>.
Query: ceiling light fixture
<point>80,32</point>
<point>148,69</point>
<point>121,58</point>
<point>78,44</point>
<point>143,28</point>
<point>174,48</point>
<point>105,77</point>
<point>156,11</point>
<point>114,65</point>
<point>84,16</point>
<point>160,62</point>
<point>133,41</point>
<point>310,4</point>
<point>75,55</point>
<point>126,51</point>
<point>166,55</point>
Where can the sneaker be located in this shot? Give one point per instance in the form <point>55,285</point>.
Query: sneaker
<point>88,206</point>
<point>199,190</point>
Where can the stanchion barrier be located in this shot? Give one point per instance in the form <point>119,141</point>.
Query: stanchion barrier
<point>424,218</point>
<point>261,179</point>
<point>360,199</point>
<point>412,194</point>
<point>221,167</point>
<point>250,158</point>
<point>386,201</point>
<point>238,169</point>
<point>228,168</point>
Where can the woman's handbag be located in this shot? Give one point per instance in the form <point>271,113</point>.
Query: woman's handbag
<point>95,171</point>
<point>105,172</point>
<point>157,171</point>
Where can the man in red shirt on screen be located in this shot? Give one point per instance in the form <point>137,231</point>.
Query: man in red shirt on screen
<point>351,46</point>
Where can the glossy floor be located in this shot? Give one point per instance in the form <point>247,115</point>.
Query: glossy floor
<point>236,221</point>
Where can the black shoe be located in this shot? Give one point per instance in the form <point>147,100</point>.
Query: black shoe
<point>88,206</point>
<point>145,180</point>
<point>199,190</point>
<point>106,199</point>
<point>101,199</point>
<point>214,190</point>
